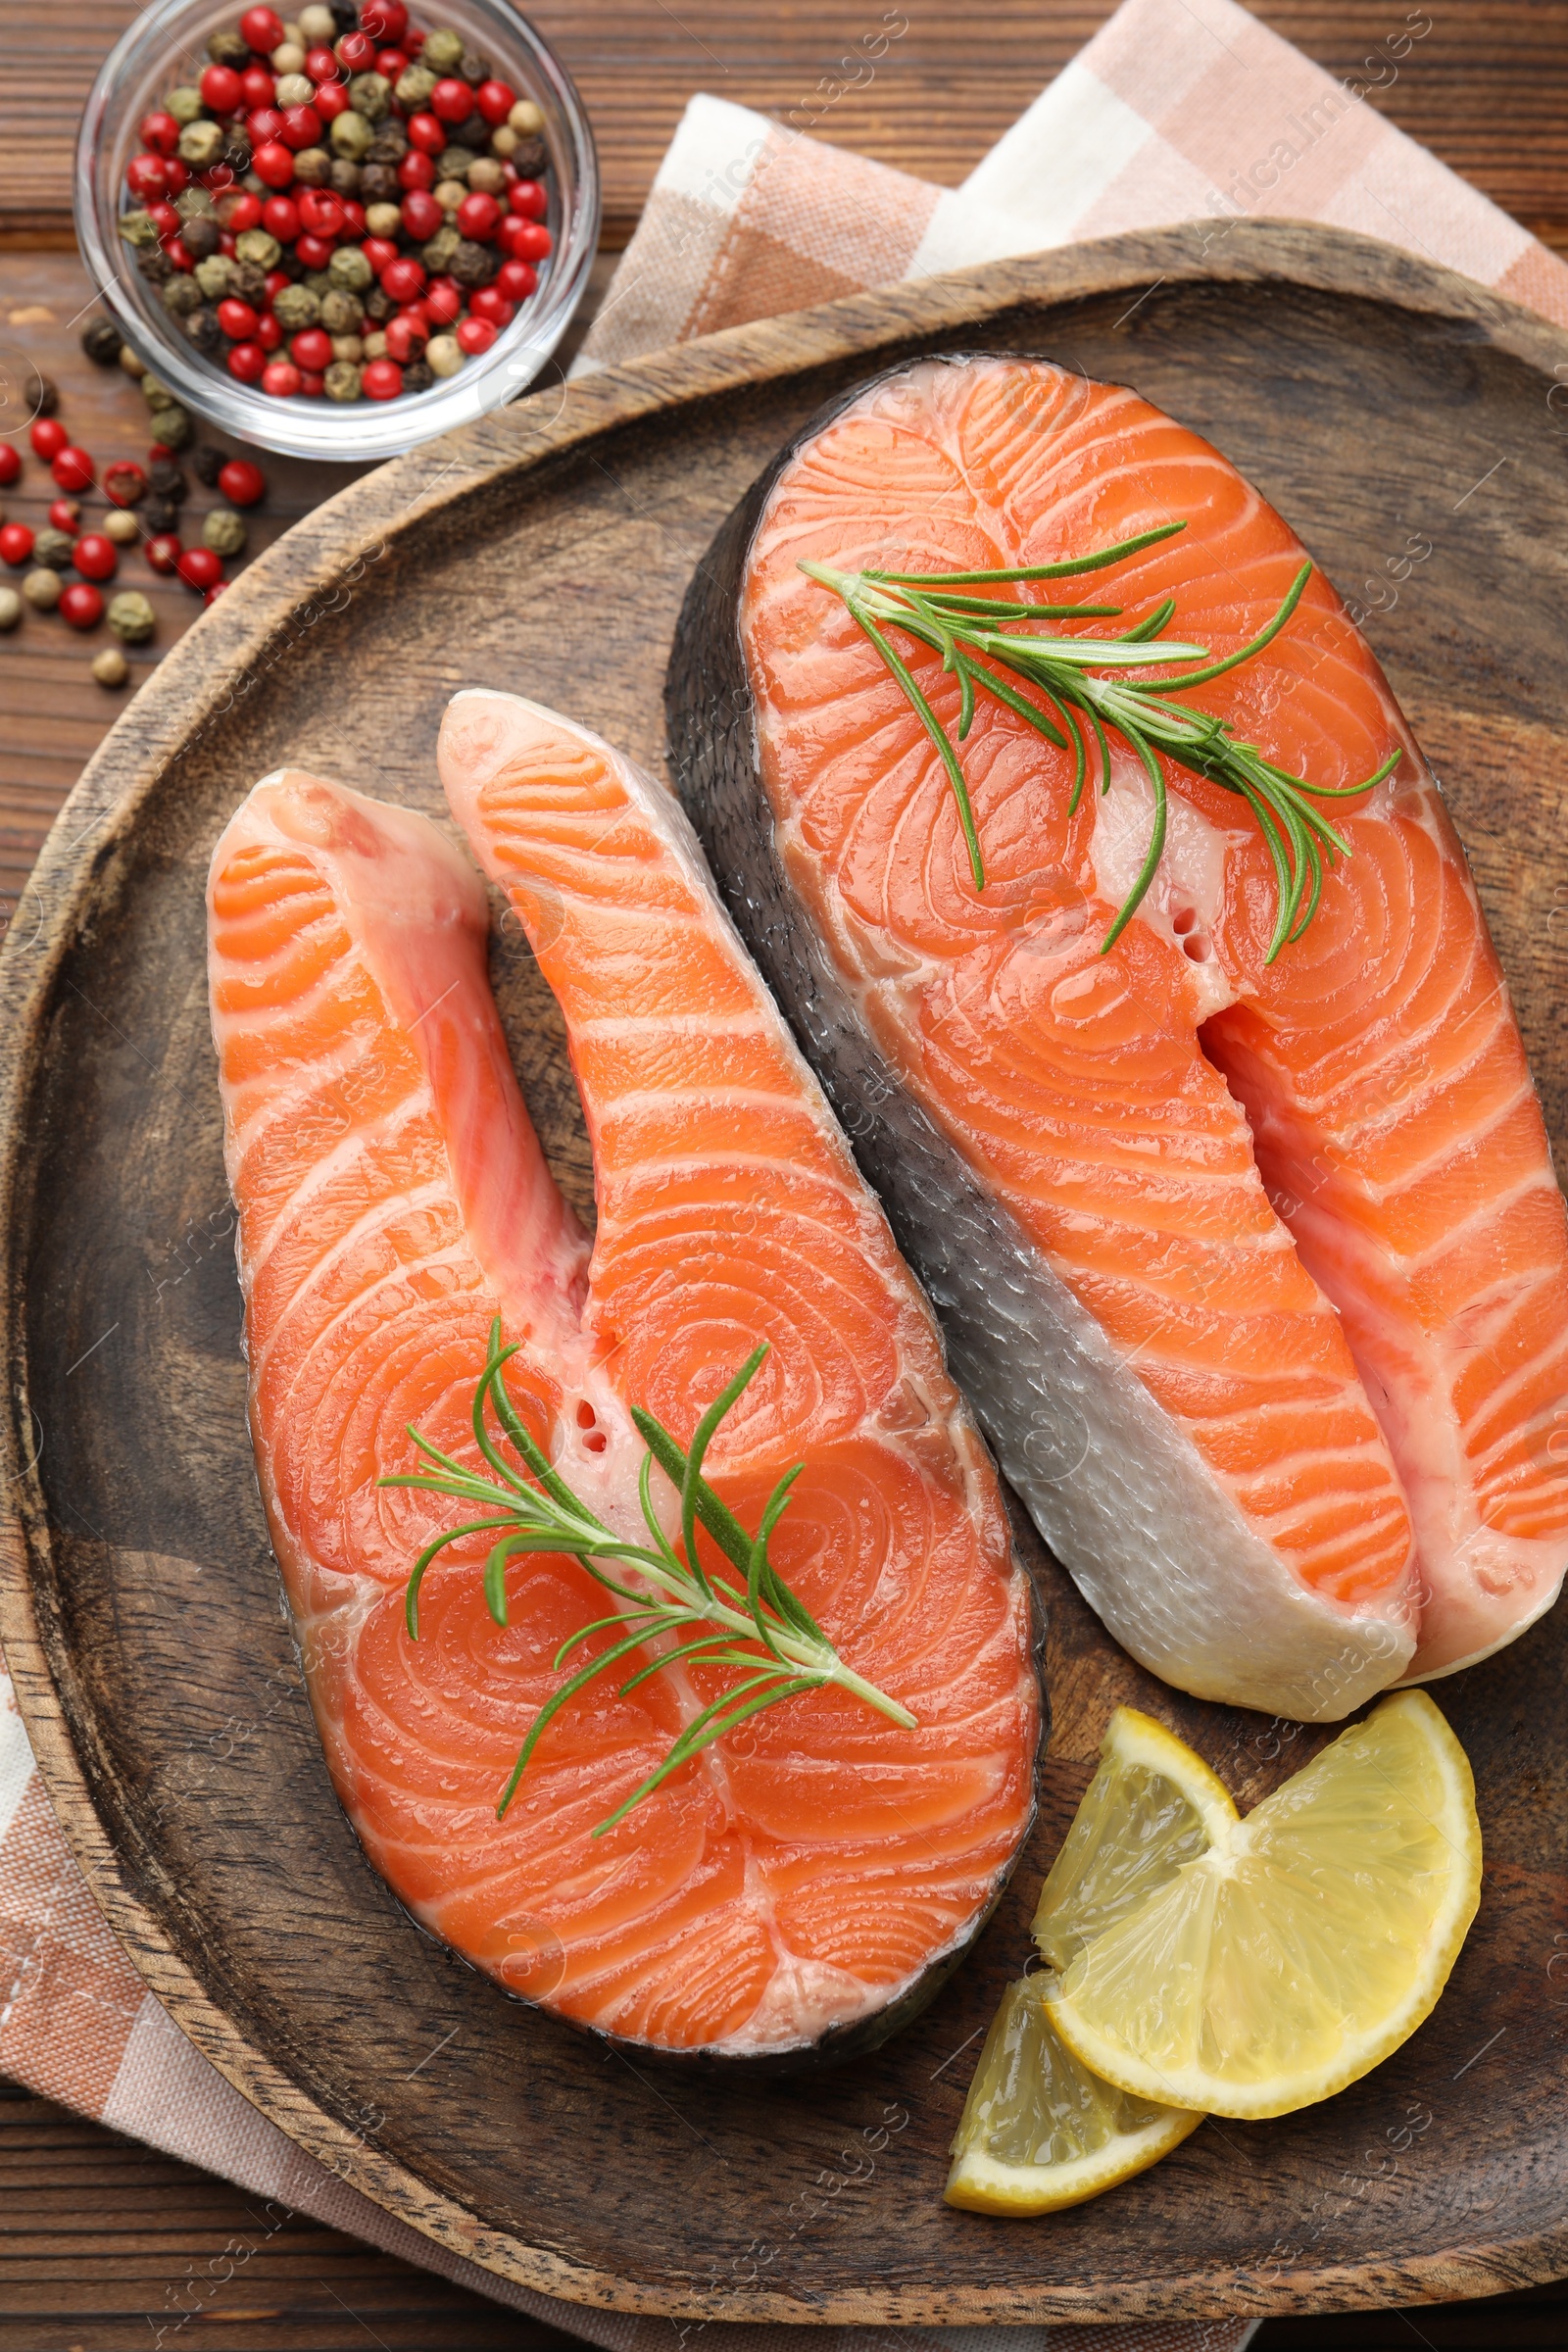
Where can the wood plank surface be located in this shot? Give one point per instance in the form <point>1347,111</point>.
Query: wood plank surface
<point>1486,89</point>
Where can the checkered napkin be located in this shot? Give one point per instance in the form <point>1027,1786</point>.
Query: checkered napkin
<point>1177,110</point>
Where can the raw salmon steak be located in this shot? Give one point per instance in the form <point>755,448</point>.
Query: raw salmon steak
<point>1255,1272</point>
<point>808,1881</point>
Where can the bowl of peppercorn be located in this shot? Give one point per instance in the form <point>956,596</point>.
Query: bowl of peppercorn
<point>341,231</point>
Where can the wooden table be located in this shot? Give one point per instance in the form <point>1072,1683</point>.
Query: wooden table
<point>101,2241</point>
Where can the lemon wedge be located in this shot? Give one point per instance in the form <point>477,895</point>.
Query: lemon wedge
<point>1038,2132</point>
<point>1152,1806</point>
<point>1304,1946</point>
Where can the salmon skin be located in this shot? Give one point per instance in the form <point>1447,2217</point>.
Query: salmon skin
<point>1255,1272</point>
<point>800,1888</point>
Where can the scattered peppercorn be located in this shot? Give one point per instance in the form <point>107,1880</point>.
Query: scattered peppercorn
<point>16,543</point>
<point>100,340</point>
<point>9,608</point>
<point>109,667</point>
<point>9,462</point>
<point>224,531</point>
<point>42,395</point>
<point>54,549</point>
<point>42,590</point>
<point>160,516</point>
<point>95,557</point>
<point>132,617</point>
<point>122,526</point>
<point>123,483</point>
<point>166,481</point>
<point>242,483</point>
<point>82,605</point>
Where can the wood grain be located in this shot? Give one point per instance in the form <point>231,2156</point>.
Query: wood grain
<point>1487,88</point>
<point>1370,397</point>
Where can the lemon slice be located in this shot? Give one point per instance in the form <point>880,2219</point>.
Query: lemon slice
<point>1038,2132</point>
<point>1306,1945</point>
<point>1152,1806</point>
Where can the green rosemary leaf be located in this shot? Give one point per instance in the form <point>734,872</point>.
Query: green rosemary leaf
<point>1157,839</point>
<point>411,1601</point>
<point>1071,568</point>
<point>1265,636</point>
<point>710,1725</point>
<point>553,1706</point>
<point>715,1515</point>
<point>701,1438</point>
<point>937,734</point>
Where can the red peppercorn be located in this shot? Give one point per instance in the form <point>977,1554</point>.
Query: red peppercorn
<point>82,605</point>
<point>529,240</point>
<point>179,176</point>
<point>515,279</point>
<point>165,219</point>
<point>9,462</point>
<point>382,379</point>
<point>72,468</point>
<point>147,177</point>
<point>321,65</point>
<point>227,243</point>
<point>488,302</point>
<point>528,198</point>
<point>392,64</point>
<point>495,102</point>
<point>268,331</point>
<point>236,318</point>
<point>221,90</point>
<point>475,335</point>
<point>64,515</point>
<point>321,211</point>
<point>48,437</point>
<point>313,252</point>
<point>241,482</point>
<point>257,87</point>
<point>378,252</point>
<point>452,100</point>
<point>353,217</point>
<point>412,39</point>
<point>401,276</point>
<point>158,134</point>
<point>357,52</point>
<point>247,359</point>
<point>123,483</point>
<point>198,567</point>
<point>163,552</point>
<point>311,349</point>
<point>210,596</point>
<point>264,126</point>
<point>263,27</point>
<point>240,212</point>
<point>332,100</point>
<point>281,378</point>
<point>16,542</point>
<point>311,385</point>
<point>426,133</point>
<point>442,301</point>
<point>407,335</point>
<point>477,215</point>
<point>158,450</point>
<point>178,253</point>
<point>301,128</point>
<point>280,217</point>
<point>273,163</point>
<point>415,170</point>
<point>422,215</point>
<point>384,19</point>
<point>94,557</point>
<point>276,281</point>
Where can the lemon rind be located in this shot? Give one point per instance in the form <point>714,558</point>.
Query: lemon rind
<point>980,2184</point>
<point>1210,2095</point>
<point>1135,1738</point>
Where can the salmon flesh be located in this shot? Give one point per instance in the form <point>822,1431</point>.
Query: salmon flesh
<point>1255,1272</point>
<point>802,1885</point>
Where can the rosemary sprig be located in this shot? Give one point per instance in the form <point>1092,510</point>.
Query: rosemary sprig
<point>973,635</point>
<point>761,1626</point>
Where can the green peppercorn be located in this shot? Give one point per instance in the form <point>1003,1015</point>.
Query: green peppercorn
<point>185,105</point>
<point>436,252</point>
<point>415,87</point>
<point>341,311</point>
<point>311,166</point>
<point>181,296</point>
<point>320,283</point>
<point>443,50</point>
<point>139,230</point>
<point>132,618</point>
<point>194,203</point>
<point>350,135</point>
<point>201,144</point>
<point>370,95</point>
<point>154,391</point>
<point>255,245</point>
<point>216,276</point>
<point>100,340</point>
<point>202,238</point>
<point>296,307</point>
<point>224,531</point>
<point>341,382</point>
<point>457,163</point>
<point>173,426</point>
<point>9,608</point>
<point>228,48</point>
<point>109,667</point>
<point>347,269</point>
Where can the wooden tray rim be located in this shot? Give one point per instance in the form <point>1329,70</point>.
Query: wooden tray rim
<point>309,569</point>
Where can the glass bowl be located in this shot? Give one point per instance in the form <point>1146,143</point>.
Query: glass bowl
<point>166,45</point>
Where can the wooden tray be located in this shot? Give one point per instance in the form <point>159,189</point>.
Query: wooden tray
<point>1412,427</point>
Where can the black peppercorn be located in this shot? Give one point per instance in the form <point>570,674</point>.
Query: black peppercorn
<point>155,264</point>
<point>204,330</point>
<point>201,237</point>
<point>160,514</point>
<point>530,157</point>
<point>101,340</point>
<point>237,155</point>
<point>344,16</point>
<point>228,49</point>
<point>378,183</point>
<point>473,69</point>
<point>389,145</point>
<point>378,304</point>
<point>166,480</point>
<point>419,376</point>
<point>249,283</point>
<point>43,396</point>
<point>474,265</point>
<point>343,175</point>
<point>209,464</point>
